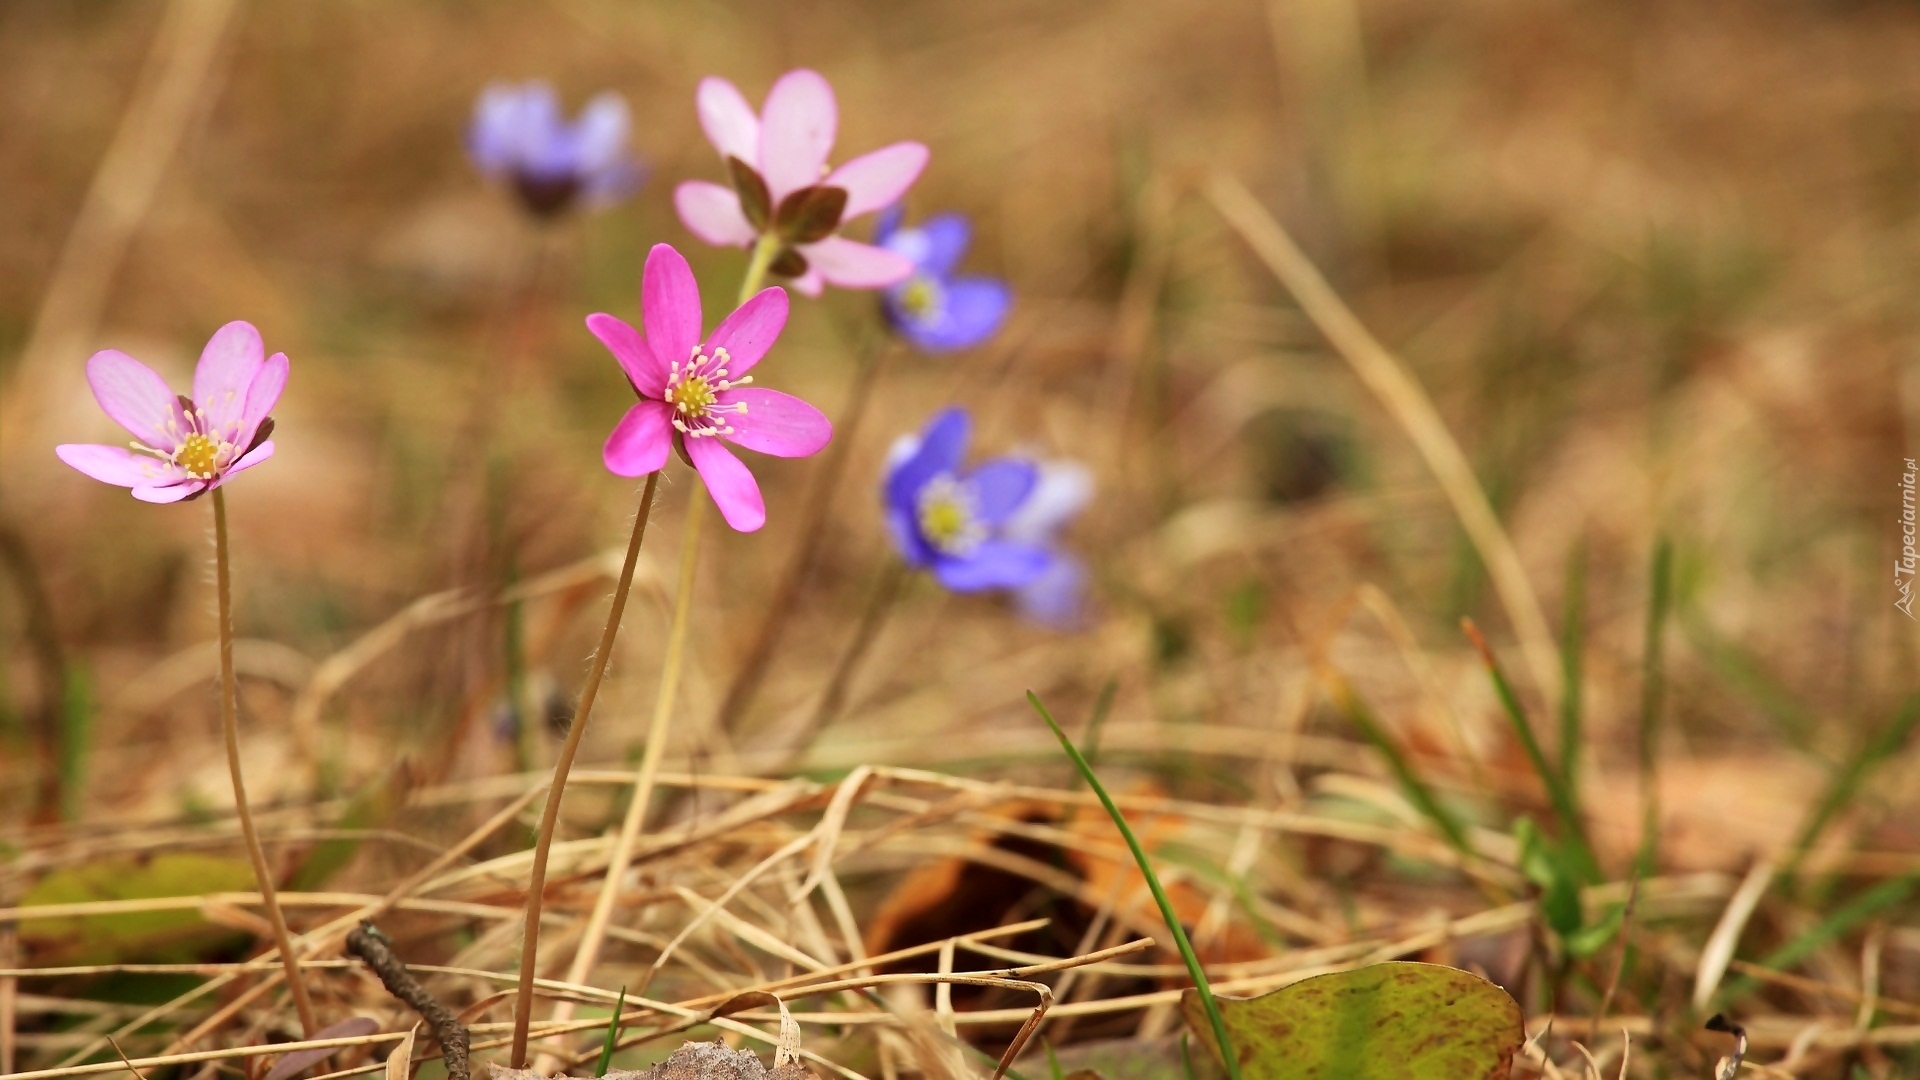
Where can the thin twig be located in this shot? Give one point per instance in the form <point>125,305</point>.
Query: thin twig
<point>370,945</point>
<point>879,606</point>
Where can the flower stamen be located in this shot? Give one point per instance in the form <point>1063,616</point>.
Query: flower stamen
<point>694,389</point>
<point>949,515</point>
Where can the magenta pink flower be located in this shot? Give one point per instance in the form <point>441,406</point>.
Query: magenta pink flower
<point>694,393</point>
<point>184,446</point>
<point>782,186</point>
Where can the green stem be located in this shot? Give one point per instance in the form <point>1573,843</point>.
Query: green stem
<point>765,250</point>
<point>537,883</point>
<point>230,725</point>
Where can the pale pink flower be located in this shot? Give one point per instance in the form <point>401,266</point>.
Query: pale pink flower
<point>782,186</point>
<point>694,393</point>
<point>184,446</point>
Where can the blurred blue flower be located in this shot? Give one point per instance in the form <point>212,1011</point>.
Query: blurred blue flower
<point>936,309</point>
<point>953,523</point>
<point>1057,597</point>
<point>519,137</point>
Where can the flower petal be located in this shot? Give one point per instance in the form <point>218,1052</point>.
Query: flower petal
<point>225,373</point>
<point>971,310</point>
<point>809,283</point>
<point>995,564</point>
<point>644,370</point>
<point>751,330</point>
<point>732,486</point>
<point>728,120</point>
<point>268,384</point>
<point>1000,486</point>
<point>947,237</point>
<point>1057,597</point>
<point>1063,491</point>
<point>913,547</point>
<point>713,213</point>
<point>941,447</point>
<point>796,131</point>
<point>247,461</point>
<point>136,397</point>
<point>170,493</point>
<point>600,135</point>
<point>776,423</point>
<point>115,465</point>
<point>878,179</point>
<point>850,264</point>
<point>670,305</point>
<point>638,444</point>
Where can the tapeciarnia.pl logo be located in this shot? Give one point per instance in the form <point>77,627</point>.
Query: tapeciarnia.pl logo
<point>1903,567</point>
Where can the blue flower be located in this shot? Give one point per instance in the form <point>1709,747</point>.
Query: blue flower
<point>936,309</point>
<point>953,523</point>
<point>1057,597</point>
<point>519,137</point>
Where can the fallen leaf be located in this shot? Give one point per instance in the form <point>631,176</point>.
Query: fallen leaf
<point>181,936</point>
<point>301,1060</point>
<point>1392,1021</point>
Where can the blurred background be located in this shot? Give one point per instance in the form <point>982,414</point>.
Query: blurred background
<point>1655,264</point>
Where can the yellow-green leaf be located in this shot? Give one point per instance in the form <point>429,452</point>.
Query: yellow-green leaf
<point>176,936</point>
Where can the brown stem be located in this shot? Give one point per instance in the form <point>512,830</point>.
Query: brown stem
<point>780,607</point>
<point>878,607</point>
<point>369,944</point>
<point>537,884</point>
<point>230,723</point>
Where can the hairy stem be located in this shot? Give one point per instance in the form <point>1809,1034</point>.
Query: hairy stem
<point>230,724</point>
<point>536,886</point>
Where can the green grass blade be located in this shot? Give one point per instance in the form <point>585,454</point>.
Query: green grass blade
<point>1572,723</point>
<point>1411,785</point>
<point>1826,931</point>
<point>1096,723</point>
<point>1851,777</point>
<point>1653,678</point>
<point>1205,989</point>
<point>613,1034</point>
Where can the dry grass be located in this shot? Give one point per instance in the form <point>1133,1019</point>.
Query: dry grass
<point>1648,269</point>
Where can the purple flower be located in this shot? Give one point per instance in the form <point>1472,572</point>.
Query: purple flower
<point>518,137</point>
<point>184,446</point>
<point>936,309</point>
<point>694,393</point>
<point>1055,598</point>
<point>953,523</point>
<point>782,186</point>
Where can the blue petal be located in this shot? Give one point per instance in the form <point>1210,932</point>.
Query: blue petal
<point>941,447</point>
<point>995,564</point>
<point>947,237</point>
<point>1056,597</point>
<point>973,310</point>
<point>889,223</point>
<point>913,549</point>
<point>1001,486</point>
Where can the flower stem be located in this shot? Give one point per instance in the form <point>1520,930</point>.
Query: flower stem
<point>879,606</point>
<point>543,842</point>
<point>230,724</point>
<point>765,250</point>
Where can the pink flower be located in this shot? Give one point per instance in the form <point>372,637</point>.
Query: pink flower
<point>694,393</point>
<point>781,184</point>
<point>184,446</point>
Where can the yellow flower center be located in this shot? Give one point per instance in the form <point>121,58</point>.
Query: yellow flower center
<point>693,396</point>
<point>200,456</point>
<point>694,389</point>
<point>949,517</point>
<point>920,297</point>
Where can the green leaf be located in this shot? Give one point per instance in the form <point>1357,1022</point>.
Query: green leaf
<point>810,214</point>
<point>159,936</point>
<point>755,200</point>
<point>1392,1021</point>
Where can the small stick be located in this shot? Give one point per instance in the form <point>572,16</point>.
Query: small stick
<point>369,944</point>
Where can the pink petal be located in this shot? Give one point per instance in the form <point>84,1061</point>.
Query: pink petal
<point>776,423</point>
<point>878,180</point>
<point>225,374</point>
<point>639,442</point>
<point>750,331</point>
<point>850,264</point>
<point>796,131</point>
<point>171,493</point>
<point>136,397</point>
<point>712,213</point>
<point>644,370</point>
<point>670,305</point>
<point>247,461</point>
<point>115,465</point>
<point>809,283</point>
<point>268,384</point>
<point>733,488</point>
<point>728,120</point>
